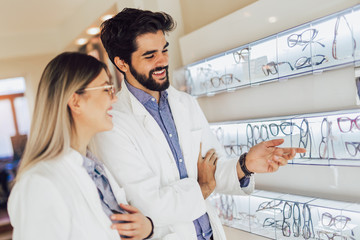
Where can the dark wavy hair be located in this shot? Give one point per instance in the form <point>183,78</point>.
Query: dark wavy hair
<point>119,33</point>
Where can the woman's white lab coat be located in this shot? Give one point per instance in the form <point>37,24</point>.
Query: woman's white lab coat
<point>136,152</point>
<point>57,199</point>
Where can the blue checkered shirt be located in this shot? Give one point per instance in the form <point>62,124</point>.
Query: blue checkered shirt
<point>96,171</point>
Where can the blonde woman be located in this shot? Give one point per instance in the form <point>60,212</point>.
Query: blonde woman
<point>62,191</point>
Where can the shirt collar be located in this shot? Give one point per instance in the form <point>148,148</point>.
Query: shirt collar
<point>90,162</point>
<point>144,97</point>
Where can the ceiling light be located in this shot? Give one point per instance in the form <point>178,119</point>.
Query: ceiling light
<point>93,30</point>
<point>106,17</point>
<point>247,14</point>
<point>81,41</point>
<point>272,19</point>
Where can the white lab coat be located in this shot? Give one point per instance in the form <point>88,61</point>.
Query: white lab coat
<point>57,199</point>
<point>137,154</point>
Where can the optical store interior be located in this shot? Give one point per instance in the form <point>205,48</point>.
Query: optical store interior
<point>260,70</point>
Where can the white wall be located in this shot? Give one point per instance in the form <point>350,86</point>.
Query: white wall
<point>331,90</point>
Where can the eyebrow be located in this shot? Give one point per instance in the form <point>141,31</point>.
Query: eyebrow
<point>106,83</point>
<point>153,51</point>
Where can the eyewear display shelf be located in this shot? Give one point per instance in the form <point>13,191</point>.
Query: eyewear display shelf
<point>284,216</point>
<point>323,44</point>
<point>330,138</point>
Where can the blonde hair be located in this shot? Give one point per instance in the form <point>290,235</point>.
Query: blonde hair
<point>52,123</point>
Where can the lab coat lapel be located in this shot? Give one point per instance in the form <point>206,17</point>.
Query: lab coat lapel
<point>148,121</point>
<point>87,187</point>
<point>181,119</point>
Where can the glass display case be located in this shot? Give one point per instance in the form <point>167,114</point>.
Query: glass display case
<point>323,44</point>
<point>287,216</point>
<point>330,138</point>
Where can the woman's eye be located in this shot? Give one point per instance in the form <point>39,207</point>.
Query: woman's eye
<point>165,50</point>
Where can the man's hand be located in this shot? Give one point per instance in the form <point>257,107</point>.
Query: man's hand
<point>206,172</point>
<point>267,157</point>
<point>136,225</point>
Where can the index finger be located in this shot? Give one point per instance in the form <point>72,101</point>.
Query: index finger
<point>290,150</point>
<point>274,143</point>
<point>122,217</point>
<point>200,150</point>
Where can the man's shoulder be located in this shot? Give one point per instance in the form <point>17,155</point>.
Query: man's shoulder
<point>180,95</point>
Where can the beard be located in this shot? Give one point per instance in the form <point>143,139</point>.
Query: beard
<point>149,82</point>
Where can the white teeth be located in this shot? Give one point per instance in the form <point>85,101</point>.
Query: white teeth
<point>160,72</point>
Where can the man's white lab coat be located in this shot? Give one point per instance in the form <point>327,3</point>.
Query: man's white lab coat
<point>137,154</point>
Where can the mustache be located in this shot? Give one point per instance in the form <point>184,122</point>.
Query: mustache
<point>158,69</point>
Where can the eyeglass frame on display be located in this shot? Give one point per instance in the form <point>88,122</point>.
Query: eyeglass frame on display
<point>334,234</point>
<point>352,123</point>
<point>299,40</point>
<point>308,228</point>
<point>232,151</point>
<point>227,207</point>
<point>241,55</point>
<point>357,148</point>
<point>242,216</point>
<point>332,221</point>
<point>222,81</point>
<point>309,62</point>
<point>334,54</point>
<point>267,67</point>
<point>251,140</point>
<point>306,136</point>
<point>286,230</point>
<point>268,205</point>
<point>325,140</point>
<point>272,223</point>
<point>282,126</point>
<point>296,221</point>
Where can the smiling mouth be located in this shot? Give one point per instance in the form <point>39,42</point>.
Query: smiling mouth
<point>107,112</point>
<point>159,73</point>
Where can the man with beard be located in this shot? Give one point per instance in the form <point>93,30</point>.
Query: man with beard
<point>160,135</point>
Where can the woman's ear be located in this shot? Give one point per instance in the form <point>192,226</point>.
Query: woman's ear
<point>74,103</point>
<point>121,64</point>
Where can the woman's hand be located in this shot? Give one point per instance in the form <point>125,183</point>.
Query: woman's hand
<point>135,226</point>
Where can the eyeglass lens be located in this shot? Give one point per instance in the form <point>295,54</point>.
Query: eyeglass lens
<point>352,148</point>
<point>346,124</point>
<point>339,221</point>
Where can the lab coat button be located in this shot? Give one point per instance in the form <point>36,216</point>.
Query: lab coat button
<point>170,135</point>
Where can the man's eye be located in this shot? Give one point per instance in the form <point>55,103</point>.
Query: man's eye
<point>165,50</point>
<point>150,56</point>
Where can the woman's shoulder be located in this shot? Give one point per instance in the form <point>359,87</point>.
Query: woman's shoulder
<point>48,168</point>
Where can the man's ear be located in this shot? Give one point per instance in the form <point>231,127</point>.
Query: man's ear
<point>121,64</point>
<point>74,103</point>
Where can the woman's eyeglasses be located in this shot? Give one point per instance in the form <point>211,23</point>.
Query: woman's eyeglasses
<point>110,89</point>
